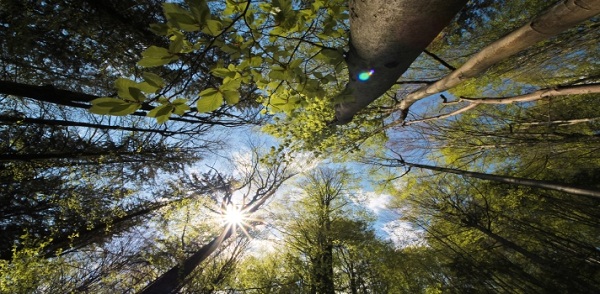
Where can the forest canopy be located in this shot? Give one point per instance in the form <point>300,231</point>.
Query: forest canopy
<point>292,146</point>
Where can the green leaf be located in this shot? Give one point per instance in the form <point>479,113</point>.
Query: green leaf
<point>176,44</point>
<point>180,105</point>
<point>113,106</point>
<point>162,110</point>
<point>213,27</point>
<point>161,29</point>
<point>122,85</point>
<point>137,94</point>
<point>256,61</point>
<point>231,85</point>
<point>180,17</point>
<point>199,9</point>
<point>333,55</point>
<point>231,97</point>
<point>161,113</point>
<point>147,88</point>
<point>277,74</point>
<point>156,56</point>
<point>153,80</point>
<point>222,72</point>
<point>211,99</point>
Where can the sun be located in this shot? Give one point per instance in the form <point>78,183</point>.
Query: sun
<point>236,219</point>
<point>234,216</point>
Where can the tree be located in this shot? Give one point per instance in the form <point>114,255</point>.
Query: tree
<point>42,198</point>
<point>551,22</point>
<point>326,244</point>
<point>383,46</point>
<point>260,183</point>
<point>492,237</point>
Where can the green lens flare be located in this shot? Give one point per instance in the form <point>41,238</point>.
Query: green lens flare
<point>363,76</point>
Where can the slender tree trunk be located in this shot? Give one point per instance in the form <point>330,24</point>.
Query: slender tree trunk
<point>511,180</point>
<point>88,236</point>
<point>9,120</point>
<point>63,155</point>
<point>174,279</point>
<point>50,94</point>
<point>558,18</point>
<point>539,94</point>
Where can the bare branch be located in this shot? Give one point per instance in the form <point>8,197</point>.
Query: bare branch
<point>438,59</point>
<point>558,18</point>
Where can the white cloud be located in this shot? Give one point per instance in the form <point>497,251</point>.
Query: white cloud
<point>403,234</point>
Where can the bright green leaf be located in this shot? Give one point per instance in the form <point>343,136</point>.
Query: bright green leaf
<point>180,105</point>
<point>222,72</point>
<point>113,106</point>
<point>160,110</point>
<point>122,85</point>
<point>231,97</point>
<point>231,85</point>
<point>211,99</point>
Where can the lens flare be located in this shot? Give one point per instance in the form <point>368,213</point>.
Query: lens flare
<point>365,75</point>
<point>234,216</point>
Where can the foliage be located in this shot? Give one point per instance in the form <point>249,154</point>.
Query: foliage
<point>492,237</point>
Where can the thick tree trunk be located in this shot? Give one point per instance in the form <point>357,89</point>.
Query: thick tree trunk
<point>511,180</point>
<point>386,37</point>
<point>558,18</point>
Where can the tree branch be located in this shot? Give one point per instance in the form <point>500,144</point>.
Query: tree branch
<point>438,59</point>
<point>558,18</point>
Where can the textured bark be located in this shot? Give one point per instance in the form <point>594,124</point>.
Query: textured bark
<point>386,37</point>
<point>558,18</point>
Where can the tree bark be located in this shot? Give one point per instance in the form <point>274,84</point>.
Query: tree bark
<point>386,37</point>
<point>539,94</point>
<point>511,180</point>
<point>50,94</point>
<point>9,120</point>
<point>558,18</point>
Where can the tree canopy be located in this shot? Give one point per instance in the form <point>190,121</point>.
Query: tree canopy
<point>292,146</point>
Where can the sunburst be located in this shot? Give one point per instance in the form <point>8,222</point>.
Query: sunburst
<point>233,218</point>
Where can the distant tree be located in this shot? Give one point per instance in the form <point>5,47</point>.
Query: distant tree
<point>493,237</point>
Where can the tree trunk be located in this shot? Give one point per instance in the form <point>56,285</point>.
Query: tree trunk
<point>386,37</point>
<point>50,94</point>
<point>539,94</point>
<point>511,180</point>
<point>10,120</point>
<point>174,279</point>
<point>558,18</point>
